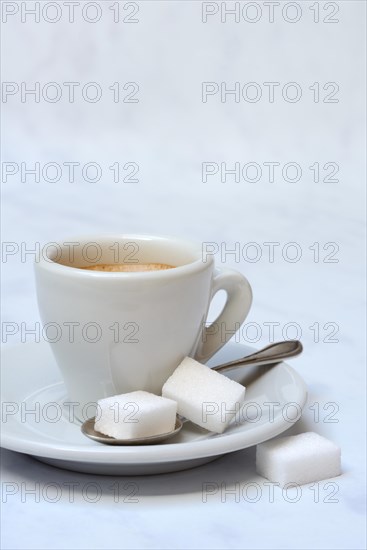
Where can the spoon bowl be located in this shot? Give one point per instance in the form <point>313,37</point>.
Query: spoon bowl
<point>88,430</point>
<point>272,354</point>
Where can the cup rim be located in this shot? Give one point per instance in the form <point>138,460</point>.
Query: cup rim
<point>178,271</point>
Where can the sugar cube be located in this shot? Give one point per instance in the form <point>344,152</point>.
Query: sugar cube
<point>135,414</point>
<point>299,459</point>
<point>204,396</point>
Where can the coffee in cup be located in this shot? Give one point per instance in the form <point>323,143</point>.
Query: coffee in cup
<point>127,268</point>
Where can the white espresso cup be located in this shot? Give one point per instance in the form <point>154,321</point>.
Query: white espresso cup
<point>116,332</point>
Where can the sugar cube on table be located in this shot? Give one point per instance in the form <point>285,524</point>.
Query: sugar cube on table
<point>204,396</point>
<point>135,414</point>
<point>299,459</point>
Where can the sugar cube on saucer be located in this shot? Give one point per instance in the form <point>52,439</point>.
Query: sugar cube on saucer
<point>299,459</point>
<point>135,414</point>
<point>204,396</point>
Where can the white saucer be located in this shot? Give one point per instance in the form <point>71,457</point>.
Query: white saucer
<point>31,381</point>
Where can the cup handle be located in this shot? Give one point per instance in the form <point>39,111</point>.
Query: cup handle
<point>236,308</point>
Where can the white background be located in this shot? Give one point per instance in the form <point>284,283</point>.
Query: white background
<point>169,133</point>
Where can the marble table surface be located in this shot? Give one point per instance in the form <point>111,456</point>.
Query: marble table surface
<point>299,239</point>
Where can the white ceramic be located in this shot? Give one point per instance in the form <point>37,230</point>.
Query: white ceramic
<point>114,333</point>
<point>31,381</point>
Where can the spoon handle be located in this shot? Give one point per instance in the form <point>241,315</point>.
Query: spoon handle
<point>270,354</point>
